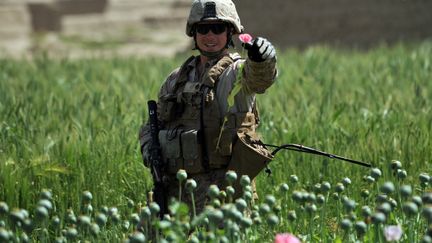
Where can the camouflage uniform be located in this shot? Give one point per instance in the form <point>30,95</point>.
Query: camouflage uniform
<point>180,107</point>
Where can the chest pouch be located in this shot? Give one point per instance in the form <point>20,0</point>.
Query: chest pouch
<point>169,108</point>
<point>171,149</point>
<point>192,151</point>
<point>191,94</point>
<point>181,149</point>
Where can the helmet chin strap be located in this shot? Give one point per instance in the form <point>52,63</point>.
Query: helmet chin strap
<point>211,55</point>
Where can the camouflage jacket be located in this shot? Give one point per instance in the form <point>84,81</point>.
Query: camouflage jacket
<point>256,78</point>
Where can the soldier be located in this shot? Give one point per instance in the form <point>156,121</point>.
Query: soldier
<point>199,130</point>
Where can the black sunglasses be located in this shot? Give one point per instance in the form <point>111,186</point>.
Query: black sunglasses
<point>215,28</point>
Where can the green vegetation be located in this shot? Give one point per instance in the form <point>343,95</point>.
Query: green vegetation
<point>71,126</point>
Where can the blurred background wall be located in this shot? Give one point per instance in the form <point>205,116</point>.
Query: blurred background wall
<point>156,27</point>
<point>337,22</point>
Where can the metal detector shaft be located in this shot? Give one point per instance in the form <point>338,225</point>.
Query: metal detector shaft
<point>304,149</point>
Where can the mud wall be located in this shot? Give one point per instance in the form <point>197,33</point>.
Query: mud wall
<point>340,22</point>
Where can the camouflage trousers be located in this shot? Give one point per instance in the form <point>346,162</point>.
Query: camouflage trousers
<point>203,180</point>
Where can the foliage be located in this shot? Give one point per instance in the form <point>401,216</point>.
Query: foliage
<point>72,125</point>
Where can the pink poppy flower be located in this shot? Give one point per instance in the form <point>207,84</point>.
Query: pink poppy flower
<point>245,38</point>
<point>286,238</point>
<point>393,232</point>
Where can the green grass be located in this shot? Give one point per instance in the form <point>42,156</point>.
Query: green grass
<point>71,125</point>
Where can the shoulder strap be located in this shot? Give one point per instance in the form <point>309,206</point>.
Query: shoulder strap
<point>183,74</point>
<point>212,76</point>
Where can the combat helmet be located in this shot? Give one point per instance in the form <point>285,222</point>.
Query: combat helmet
<point>204,10</point>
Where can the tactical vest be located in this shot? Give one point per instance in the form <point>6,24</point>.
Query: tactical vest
<point>193,137</point>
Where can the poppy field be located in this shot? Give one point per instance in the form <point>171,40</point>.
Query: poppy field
<point>71,169</point>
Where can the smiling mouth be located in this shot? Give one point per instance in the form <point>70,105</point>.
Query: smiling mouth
<point>210,45</point>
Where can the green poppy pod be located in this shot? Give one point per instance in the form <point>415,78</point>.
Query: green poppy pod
<point>130,203</point>
<point>424,178</point>
<point>247,196</point>
<point>55,221</point>
<point>346,224</point>
<point>378,218</point>
<point>24,238</point>
<point>385,208</point>
<point>46,194</point>
<point>230,177</point>
<point>360,227</point>
<point>104,210</point>
<point>320,199</point>
<point>181,175</point>
<point>366,211</point>
<point>71,233</point>
<point>41,213</point>
<point>349,205</point>
<point>257,221</point>
<point>213,191</point>
<point>325,186</point>
<point>245,180</point>
<point>101,219</point>
<point>297,196</point>
<point>427,198</point>
<point>376,173</point>
<point>410,208</point>
<point>364,193</point>
<point>84,221</point>
<point>270,200</point>
<point>112,211</point>
<point>369,179</point>
<point>230,191</point>
<point>246,222</point>
<point>4,209</point>
<point>137,237</point>
<point>292,216</point>
<point>339,187</point>
<point>401,174</point>
<point>145,212</point>
<point>264,209</point>
<point>241,204</point>
<point>346,181</point>
<point>406,191</point>
<point>272,220</point>
<point>154,208</point>
<point>94,229</point>
<point>134,219</point>
<point>216,203</point>
<point>311,208</point>
<point>190,185</point>
<point>335,195</point>
<point>215,216</point>
<point>427,213</point>
<point>417,200</point>
<point>387,188</point>
<point>293,179</point>
<point>395,165</point>
<point>116,218</point>
<point>283,187</point>
<point>4,235</point>
<point>86,197</point>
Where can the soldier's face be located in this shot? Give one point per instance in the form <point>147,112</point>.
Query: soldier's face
<point>211,36</point>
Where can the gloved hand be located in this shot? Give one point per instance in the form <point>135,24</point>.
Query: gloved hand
<point>260,50</point>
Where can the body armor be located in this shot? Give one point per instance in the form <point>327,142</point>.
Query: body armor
<point>195,136</point>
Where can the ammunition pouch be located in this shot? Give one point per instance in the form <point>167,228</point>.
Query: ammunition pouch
<point>181,149</point>
<point>169,109</point>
